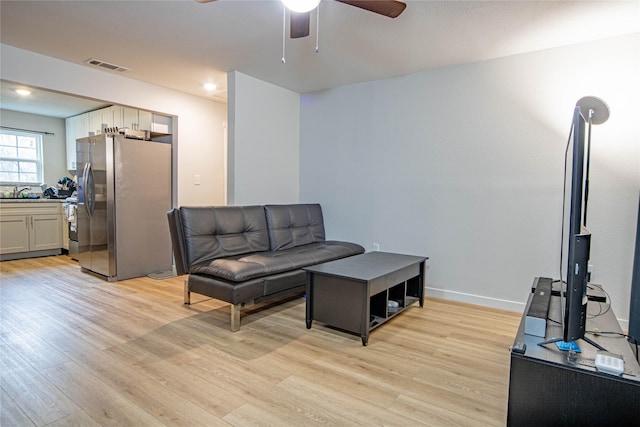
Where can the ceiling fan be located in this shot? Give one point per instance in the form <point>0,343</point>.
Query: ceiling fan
<point>301,11</point>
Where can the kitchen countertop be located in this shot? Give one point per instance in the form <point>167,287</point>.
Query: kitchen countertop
<point>41,200</point>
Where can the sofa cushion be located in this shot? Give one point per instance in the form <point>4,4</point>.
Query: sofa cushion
<point>223,232</point>
<point>294,225</point>
<point>245,267</point>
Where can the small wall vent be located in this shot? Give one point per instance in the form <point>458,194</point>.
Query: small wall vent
<point>108,66</point>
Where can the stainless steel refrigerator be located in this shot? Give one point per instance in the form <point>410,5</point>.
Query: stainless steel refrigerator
<point>124,192</point>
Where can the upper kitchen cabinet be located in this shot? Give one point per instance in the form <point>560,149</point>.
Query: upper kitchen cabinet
<point>70,134</point>
<point>101,119</point>
<point>132,118</point>
<point>95,122</point>
<point>86,124</point>
<point>76,127</point>
<point>145,120</point>
<point>161,124</point>
<point>115,116</point>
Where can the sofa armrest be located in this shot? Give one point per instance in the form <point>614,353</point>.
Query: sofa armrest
<point>177,241</point>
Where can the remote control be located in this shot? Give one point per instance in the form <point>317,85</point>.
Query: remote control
<point>609,363</point>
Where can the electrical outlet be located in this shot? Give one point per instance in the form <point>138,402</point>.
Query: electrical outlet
<point>376,247</point>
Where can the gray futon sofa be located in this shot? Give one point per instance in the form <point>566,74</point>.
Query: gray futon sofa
<point>247,254</point>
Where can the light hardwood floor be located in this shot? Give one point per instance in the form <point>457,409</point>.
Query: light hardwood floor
<point>77,350</point>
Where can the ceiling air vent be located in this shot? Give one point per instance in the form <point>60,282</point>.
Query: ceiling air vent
<point>108,66</point>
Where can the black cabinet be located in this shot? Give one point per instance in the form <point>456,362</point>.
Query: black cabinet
<point>546,388</point>
<point>354,293</point>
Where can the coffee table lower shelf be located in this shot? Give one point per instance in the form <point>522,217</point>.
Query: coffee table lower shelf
<point>353,293</point>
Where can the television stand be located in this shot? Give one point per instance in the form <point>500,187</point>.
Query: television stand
<point>585,339</point>
<point>548,388</point>
<point>595,293</point>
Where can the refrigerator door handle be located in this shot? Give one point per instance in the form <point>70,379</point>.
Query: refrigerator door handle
<point>84,190</point>
<point>89,190</point>
<point>92,185</point>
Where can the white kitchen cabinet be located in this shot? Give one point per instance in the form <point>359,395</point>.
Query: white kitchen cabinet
<point>75,127</point>
<point>145,120</point>
<point>100,119</point>
<point>45,232</point>
<point>161,124</point>
<point>15,233</point>
<point>30,229</point>
<point>83,125</point>
<point>129,117</point>
<point>132,118</point>
<point>118,116</point>
<point>93,123</point>
<point>106,117</point>
<point>70,136</point>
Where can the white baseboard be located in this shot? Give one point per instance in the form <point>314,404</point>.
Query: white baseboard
<point>490,302</point>
<point>475,299</point>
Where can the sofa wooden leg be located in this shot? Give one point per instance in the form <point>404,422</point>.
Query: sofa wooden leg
<point>187,294</point>
<point>235,317</point>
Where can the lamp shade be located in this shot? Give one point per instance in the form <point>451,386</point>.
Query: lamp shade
<point>301,6</point>
<point>599,109</point>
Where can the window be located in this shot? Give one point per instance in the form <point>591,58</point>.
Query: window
<point>20,158</point>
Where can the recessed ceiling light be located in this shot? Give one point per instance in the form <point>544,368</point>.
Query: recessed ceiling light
<point>209,87</point>
<point>23,92</point>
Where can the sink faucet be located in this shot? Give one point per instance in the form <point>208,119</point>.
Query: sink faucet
<point>16,192</point>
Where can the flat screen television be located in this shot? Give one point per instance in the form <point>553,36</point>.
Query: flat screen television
<point>579,244</point>
<point>575,312</point>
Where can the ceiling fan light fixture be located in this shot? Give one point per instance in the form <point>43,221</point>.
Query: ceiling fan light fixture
<point>301,6</point>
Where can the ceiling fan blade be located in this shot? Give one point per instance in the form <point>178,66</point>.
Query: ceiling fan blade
<point>204,1</point>
<point>390,8</point>
<point>299,26</point>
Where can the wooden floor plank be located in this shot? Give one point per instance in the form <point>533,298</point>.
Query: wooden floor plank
<point>78,350</point>
<point>10,412</point>
<point>102,403</point>
<point>79,419</point>
<point>36,397</point>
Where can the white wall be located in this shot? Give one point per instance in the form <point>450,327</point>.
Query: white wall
<point>465,165</point>
<point>462,164</point>
<point>264,131</point>
<point>199,135</point>
<point>54,147</point>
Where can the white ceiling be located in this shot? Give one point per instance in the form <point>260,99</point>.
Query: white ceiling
<point>182,44</point>
<point>45,102</point>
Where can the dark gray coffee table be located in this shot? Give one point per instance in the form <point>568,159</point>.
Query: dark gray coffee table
<point>353,293</point>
